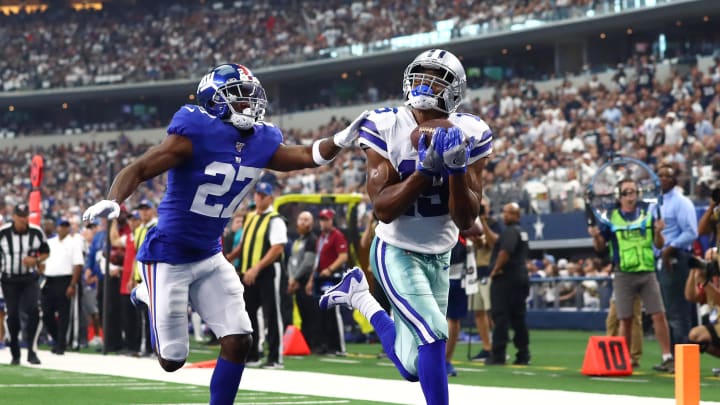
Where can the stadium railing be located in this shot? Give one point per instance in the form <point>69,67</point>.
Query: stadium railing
<point>586,309</point>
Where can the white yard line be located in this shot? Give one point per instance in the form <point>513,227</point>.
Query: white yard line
<point>307,383</point>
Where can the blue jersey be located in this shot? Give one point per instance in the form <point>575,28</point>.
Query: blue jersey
<point>203,192</point>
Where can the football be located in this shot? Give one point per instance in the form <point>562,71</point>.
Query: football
<point>427,128</point>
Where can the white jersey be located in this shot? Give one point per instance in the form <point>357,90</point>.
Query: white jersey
<point>426,227</point>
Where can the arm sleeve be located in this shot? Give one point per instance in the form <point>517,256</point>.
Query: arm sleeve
<point>90,259</point>
<point>371,135</point>
<point>307,265</point>
<point>687,221</point>
<point>474,127</point>
<point>77,255</point>
<point>278,231</point>
<point>341,245</point>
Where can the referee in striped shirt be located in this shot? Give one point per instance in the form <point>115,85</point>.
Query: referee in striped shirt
<point>22,248</point>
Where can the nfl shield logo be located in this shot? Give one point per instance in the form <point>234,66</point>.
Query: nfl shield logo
<point>239,146</point>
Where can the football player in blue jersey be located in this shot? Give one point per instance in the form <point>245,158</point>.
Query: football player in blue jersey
<point>214,154</point>
<point>422,198</point>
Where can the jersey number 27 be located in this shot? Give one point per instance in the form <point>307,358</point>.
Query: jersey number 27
<point>247,176</point>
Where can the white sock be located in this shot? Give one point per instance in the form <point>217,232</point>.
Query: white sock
<point>141,293</point>
<point>667,356</point>
<point>365,303</point>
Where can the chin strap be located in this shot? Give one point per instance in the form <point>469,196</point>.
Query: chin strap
<point>241,121</point>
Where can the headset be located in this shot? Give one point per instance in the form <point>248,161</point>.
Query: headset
<point>617,192</point>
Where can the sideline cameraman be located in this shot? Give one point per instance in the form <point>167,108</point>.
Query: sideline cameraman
<point>703,287</point>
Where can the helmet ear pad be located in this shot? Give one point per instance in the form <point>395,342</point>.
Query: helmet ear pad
<point>218,110</point>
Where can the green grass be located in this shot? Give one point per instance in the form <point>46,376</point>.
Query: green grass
<point>32,386</point>
<point>557,357</point>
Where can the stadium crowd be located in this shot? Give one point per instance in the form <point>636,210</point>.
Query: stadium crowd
<point>66,48</point>
<point>547,144</point>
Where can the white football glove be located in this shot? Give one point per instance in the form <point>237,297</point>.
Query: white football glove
<point>109,209</point>
<point>347,136</point>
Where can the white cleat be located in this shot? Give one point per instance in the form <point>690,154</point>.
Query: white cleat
<point>353,281</point>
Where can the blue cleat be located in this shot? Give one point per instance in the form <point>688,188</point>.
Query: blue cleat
<point>353,281</point>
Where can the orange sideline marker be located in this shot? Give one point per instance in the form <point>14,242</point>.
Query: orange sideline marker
<point>687,374</point>
<point>606,356</point>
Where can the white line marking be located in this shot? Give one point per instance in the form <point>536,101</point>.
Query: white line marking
<point>629,380</point>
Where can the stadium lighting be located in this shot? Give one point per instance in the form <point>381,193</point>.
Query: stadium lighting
<point>11,108</point>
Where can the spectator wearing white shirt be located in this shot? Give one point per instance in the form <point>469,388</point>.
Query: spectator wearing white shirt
<point>673,129</point>
<point>571,142</point>
<point>62,274</point>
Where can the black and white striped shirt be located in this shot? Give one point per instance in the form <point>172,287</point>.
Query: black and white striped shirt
<point>15,246</point>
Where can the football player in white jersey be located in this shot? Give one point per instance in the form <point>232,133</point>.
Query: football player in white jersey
<point>422,198</point>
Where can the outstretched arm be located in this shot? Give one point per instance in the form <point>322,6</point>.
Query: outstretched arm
<point>296,157</point>
<point>391,197</point>
<point>158,159</point>
<point>321,152</point>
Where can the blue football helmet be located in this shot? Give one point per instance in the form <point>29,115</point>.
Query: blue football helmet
<point>232,93</point>
<point>418,86</point>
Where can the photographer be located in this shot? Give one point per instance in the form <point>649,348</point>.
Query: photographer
<point>703,287</point>
<point>629,240</point>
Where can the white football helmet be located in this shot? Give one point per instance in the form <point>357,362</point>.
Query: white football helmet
<point>418,87</point>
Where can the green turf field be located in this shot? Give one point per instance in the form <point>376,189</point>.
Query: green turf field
<point>557,357</point>
<point>31,386</point>
<point>556,362</point>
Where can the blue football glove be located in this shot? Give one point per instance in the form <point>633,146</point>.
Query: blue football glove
<point>430,162</point>
<point>455,151</point>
